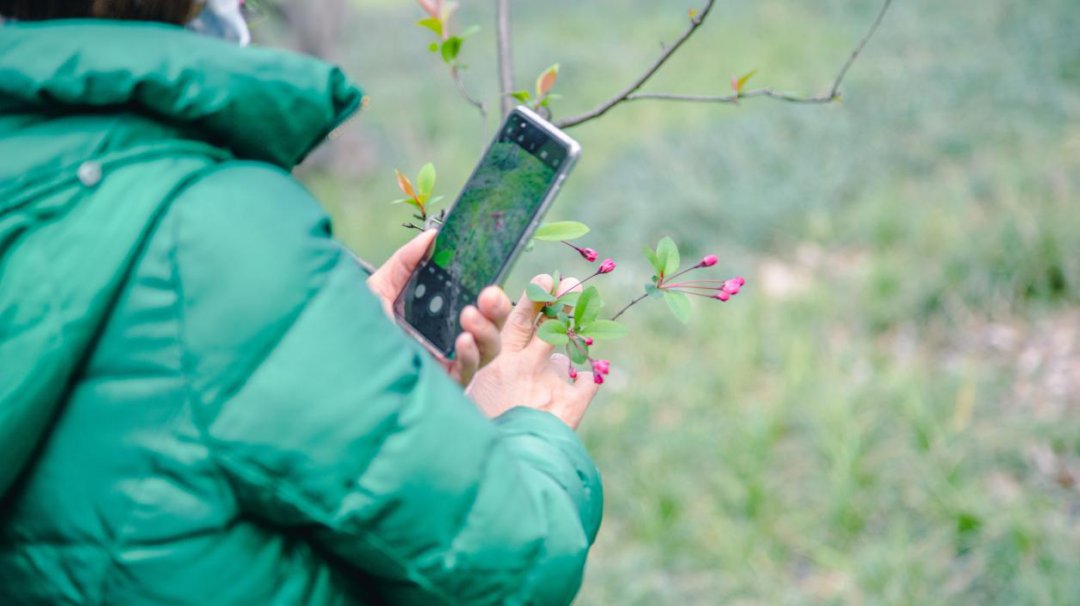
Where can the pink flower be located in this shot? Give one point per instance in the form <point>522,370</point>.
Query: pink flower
<point>731,286</point>
<point>588,341</point>
<point>589,254</point>
<point>601,367</point>
<point>598,379</point>
<point>708,261</point>
<point>722,296</point>
<point>740,280</point>
<point>573,372</point>
<point>607,266</point>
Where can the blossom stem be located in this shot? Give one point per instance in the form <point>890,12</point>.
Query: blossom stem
<point>558,296</point>
<point>629,305</point>
<point>696,294</point>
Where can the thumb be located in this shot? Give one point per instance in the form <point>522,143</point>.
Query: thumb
<point>391,278</point>
<point>519,328</point>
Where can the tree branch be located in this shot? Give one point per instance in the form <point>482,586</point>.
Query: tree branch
<point>506,65</point>
<point>599,110</point>
<point>829,97</point>
<point>455,73</point>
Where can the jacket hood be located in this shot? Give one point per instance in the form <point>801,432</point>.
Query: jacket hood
<point>101,125</point>
<point>260,104</point>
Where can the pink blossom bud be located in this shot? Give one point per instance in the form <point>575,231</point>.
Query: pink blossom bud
<point>722,296</point>
<point>601,367</point>
<point>708,261</point>
<point>589,254</point>
<point>740,280</point>
<point>598,379</point>
<point>731,286</point>
<point>573,372</point>
<point>607,266</point>
<point>588,341</point>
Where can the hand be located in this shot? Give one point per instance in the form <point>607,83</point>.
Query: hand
<point>527,374</point>
<point>480,340</point>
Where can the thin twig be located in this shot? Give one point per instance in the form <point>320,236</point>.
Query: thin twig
<point>829,97</point>
<point>834,92</point>
<point>506,65</point>
<point>599,110</point>
<point>628,306</point>
<point>455,73</point>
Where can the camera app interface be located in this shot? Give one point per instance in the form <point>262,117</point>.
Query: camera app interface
<point>480,233</point>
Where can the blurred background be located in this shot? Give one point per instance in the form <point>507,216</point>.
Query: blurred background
<point>890,411</point>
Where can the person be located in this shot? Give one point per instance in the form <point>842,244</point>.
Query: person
<point>202,397</point>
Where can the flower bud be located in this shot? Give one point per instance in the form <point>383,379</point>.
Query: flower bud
<point>598,379</point>
<point>589,254</point>
<point>722,296</point>
<point>708,261</point>
<point>601,367</point>
<point>740,280</point>
<point>573,372</point>
<point>607,266</point>
<point>588,341</point>
<point>731,286</point>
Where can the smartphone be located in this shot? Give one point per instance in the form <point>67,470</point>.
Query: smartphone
<point>486,228</point>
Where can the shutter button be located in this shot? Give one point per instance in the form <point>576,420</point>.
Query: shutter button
<point>89,173</point>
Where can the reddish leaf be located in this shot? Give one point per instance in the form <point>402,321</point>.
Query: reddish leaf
<point>430,7</point>
<point>546,81</point>
<point>405,185</point>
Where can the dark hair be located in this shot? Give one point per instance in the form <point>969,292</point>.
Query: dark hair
<point>170,11</point>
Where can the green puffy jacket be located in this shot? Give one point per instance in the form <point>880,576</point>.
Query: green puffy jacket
<point>200,400</point>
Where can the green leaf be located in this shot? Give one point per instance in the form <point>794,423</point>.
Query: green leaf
<point>537,294</point>
<point>450,49</point>
<point>605,330</point>
<point>530,245</point>
<point>667,254</point>
<point>522,96</point>
<point>469,31</point>
<point>653,291</point>
<point>404,201</point>
<point>654,260</point>
<point>435,200</point>
<point>433,47</point>
<point>570,299</point>
<point>425,181</point>
<point>556,279</point>
<point>550,312</point>
<point>588,307</point>
<point>561,230</point>
<point>578,354</point>
<point>431,23</point>
<point>554,332</point>
<point>679,304</point>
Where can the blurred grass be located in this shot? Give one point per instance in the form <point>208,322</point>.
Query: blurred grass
<point>888,414</point>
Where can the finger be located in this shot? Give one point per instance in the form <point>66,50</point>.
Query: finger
<point>466,359</point>
<point>560,365</point>
<point>389,280</point>
<point>519,324</point>
<point>494,305</point>
<point>484,332</point>
<point>574,408</point>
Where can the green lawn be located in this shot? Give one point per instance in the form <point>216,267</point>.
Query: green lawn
<point>889,412</point>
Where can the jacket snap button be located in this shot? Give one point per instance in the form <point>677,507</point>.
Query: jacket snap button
<point>90,173</point>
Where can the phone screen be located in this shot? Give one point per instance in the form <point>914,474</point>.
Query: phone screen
<point>484,228</point>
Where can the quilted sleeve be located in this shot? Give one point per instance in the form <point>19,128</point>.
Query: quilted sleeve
<point>331,423</point>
